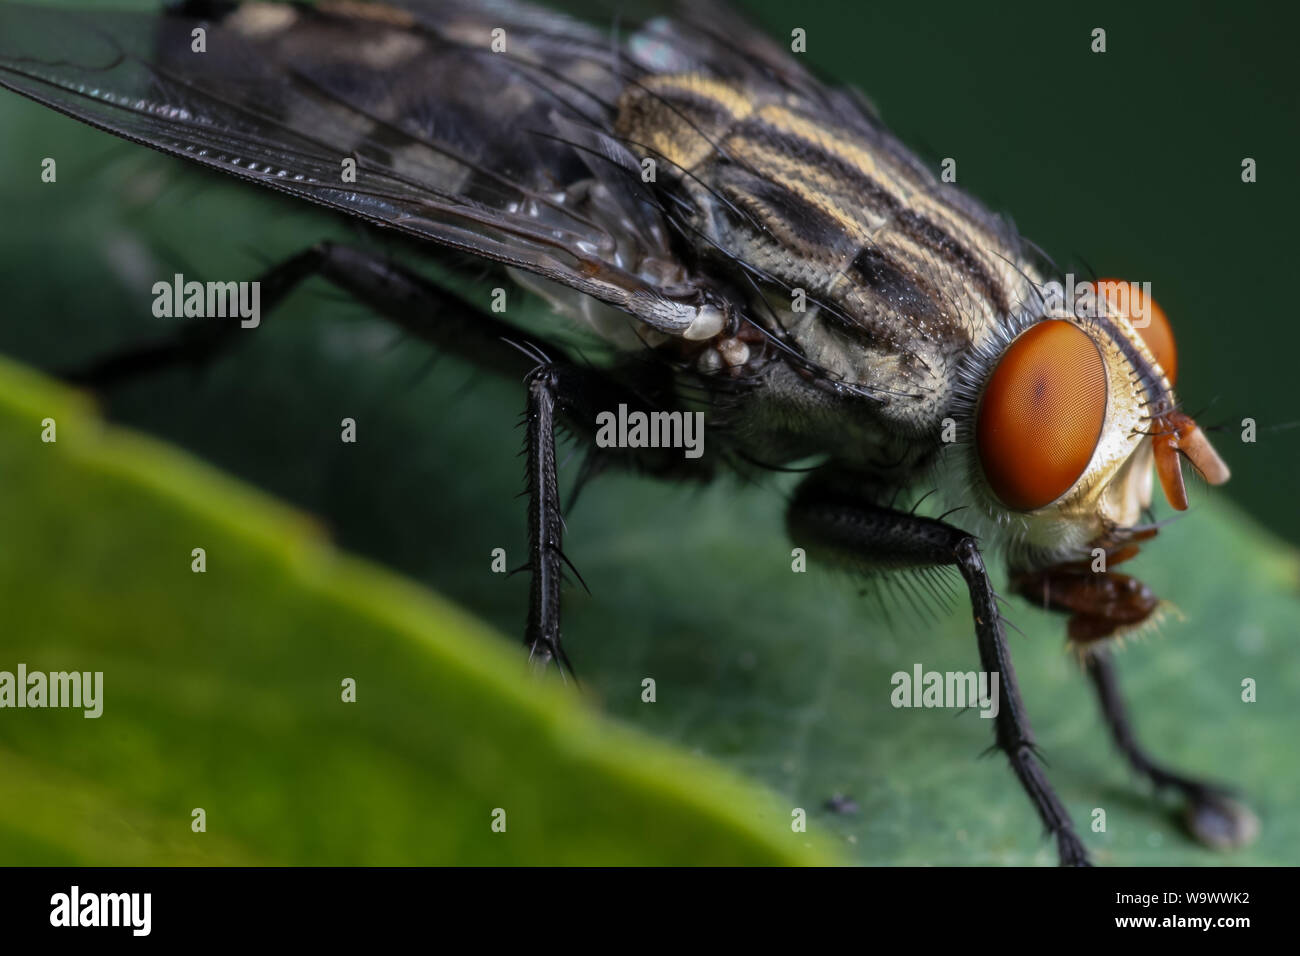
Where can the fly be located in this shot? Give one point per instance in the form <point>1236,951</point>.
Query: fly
<point>752,249</point>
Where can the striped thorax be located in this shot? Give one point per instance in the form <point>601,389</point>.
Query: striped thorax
<point>848,248</point>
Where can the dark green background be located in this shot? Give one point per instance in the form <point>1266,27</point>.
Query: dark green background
<point>1129,160</point>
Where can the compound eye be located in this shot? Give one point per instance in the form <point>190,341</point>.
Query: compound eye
<point>1041,415</point>
<point>1149,320</point>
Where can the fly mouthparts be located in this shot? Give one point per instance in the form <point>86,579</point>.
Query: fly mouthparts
<point>1180,433</point>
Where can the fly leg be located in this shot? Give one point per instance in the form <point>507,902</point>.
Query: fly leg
<point>406,298</point>
<point>198,342</point>
<point>849,529</point>
<point>557,389</point>
<point>576,394</point>
<point>1213,816</point>
<point>545,524</point>
<point>1100,605</point>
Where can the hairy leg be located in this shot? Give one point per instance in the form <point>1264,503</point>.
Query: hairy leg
<point>850,529</point>
<point>411,301</point>
<point>557,389</point>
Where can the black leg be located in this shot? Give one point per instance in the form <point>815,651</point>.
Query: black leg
<point>545,524</point>
<point>557,388</point>
<point>1212,816</point>
<point>842,526</point>
<point>414,303</point>
<point>575,393</point>
<point>198,341</point>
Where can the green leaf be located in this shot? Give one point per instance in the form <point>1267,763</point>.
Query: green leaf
<point>787,677</point>
<point>222,691</point>
<point>223,687</point>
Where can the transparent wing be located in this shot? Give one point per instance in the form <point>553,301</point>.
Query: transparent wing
<point>497,152</point>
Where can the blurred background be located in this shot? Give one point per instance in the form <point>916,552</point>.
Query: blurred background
<point>1126,163</point>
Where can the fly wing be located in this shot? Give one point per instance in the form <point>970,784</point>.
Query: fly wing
<point>493,143</point>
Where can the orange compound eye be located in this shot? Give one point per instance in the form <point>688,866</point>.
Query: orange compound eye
<point>1041,415</point>
<point>1148,318</point>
